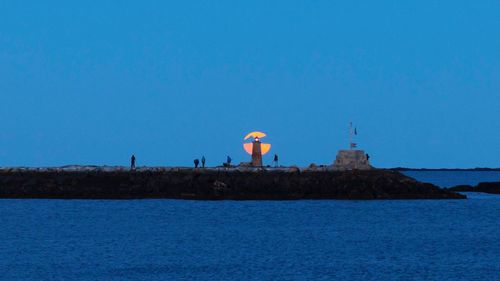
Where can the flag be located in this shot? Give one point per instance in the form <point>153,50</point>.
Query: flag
<point>354,145</point>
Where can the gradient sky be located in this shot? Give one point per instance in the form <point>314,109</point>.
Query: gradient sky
<point>91,82</point>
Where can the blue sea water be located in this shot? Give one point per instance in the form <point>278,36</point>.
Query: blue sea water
<point>250,240</point>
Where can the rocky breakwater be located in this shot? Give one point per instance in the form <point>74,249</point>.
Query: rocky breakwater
<point>486,187</point>
<point>213,184</point>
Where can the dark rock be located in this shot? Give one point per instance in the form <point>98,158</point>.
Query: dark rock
<point>488,187</point>
<point>217,184</point>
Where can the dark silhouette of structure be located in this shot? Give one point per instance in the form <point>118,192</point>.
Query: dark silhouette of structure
<point>256,153</point>
<point>132,162</point>
<point>196,163</point>
<point>229,161</point>
<point>203,161</point>
<point>275,160</point>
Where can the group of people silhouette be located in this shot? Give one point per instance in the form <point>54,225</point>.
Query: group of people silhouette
<point>203,161</point>
<point>197,162</point>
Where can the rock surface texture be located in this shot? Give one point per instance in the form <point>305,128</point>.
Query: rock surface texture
<point>486,187</point>
<point>217,184</point>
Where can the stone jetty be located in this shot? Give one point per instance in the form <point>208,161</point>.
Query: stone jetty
<point>214,184</point>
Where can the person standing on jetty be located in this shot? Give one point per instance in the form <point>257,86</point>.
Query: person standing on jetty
<point>275,160</point>
<point>196,163</point>
<point>203,161</point>
<point>132,162</point>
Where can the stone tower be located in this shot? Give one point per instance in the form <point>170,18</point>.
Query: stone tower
<point>352,159</point>
<point>256,153</point>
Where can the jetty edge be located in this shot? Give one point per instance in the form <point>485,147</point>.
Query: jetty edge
<point>215,184</point>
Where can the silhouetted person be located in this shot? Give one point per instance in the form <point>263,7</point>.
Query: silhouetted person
<point>229,161</point>
<point>132,162</point>
<point>275,160</point>
<point>196,163</point>
<point>367,157</point>
<point>203,161</point>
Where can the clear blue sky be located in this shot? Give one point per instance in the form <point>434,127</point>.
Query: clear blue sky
<point>91,82</point>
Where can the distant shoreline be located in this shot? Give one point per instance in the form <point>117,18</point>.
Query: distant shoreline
<point>403,169</point>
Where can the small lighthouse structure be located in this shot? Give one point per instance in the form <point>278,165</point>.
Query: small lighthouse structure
<point>256,153</point>
<point>256,148</point>
<point>352,159</point>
